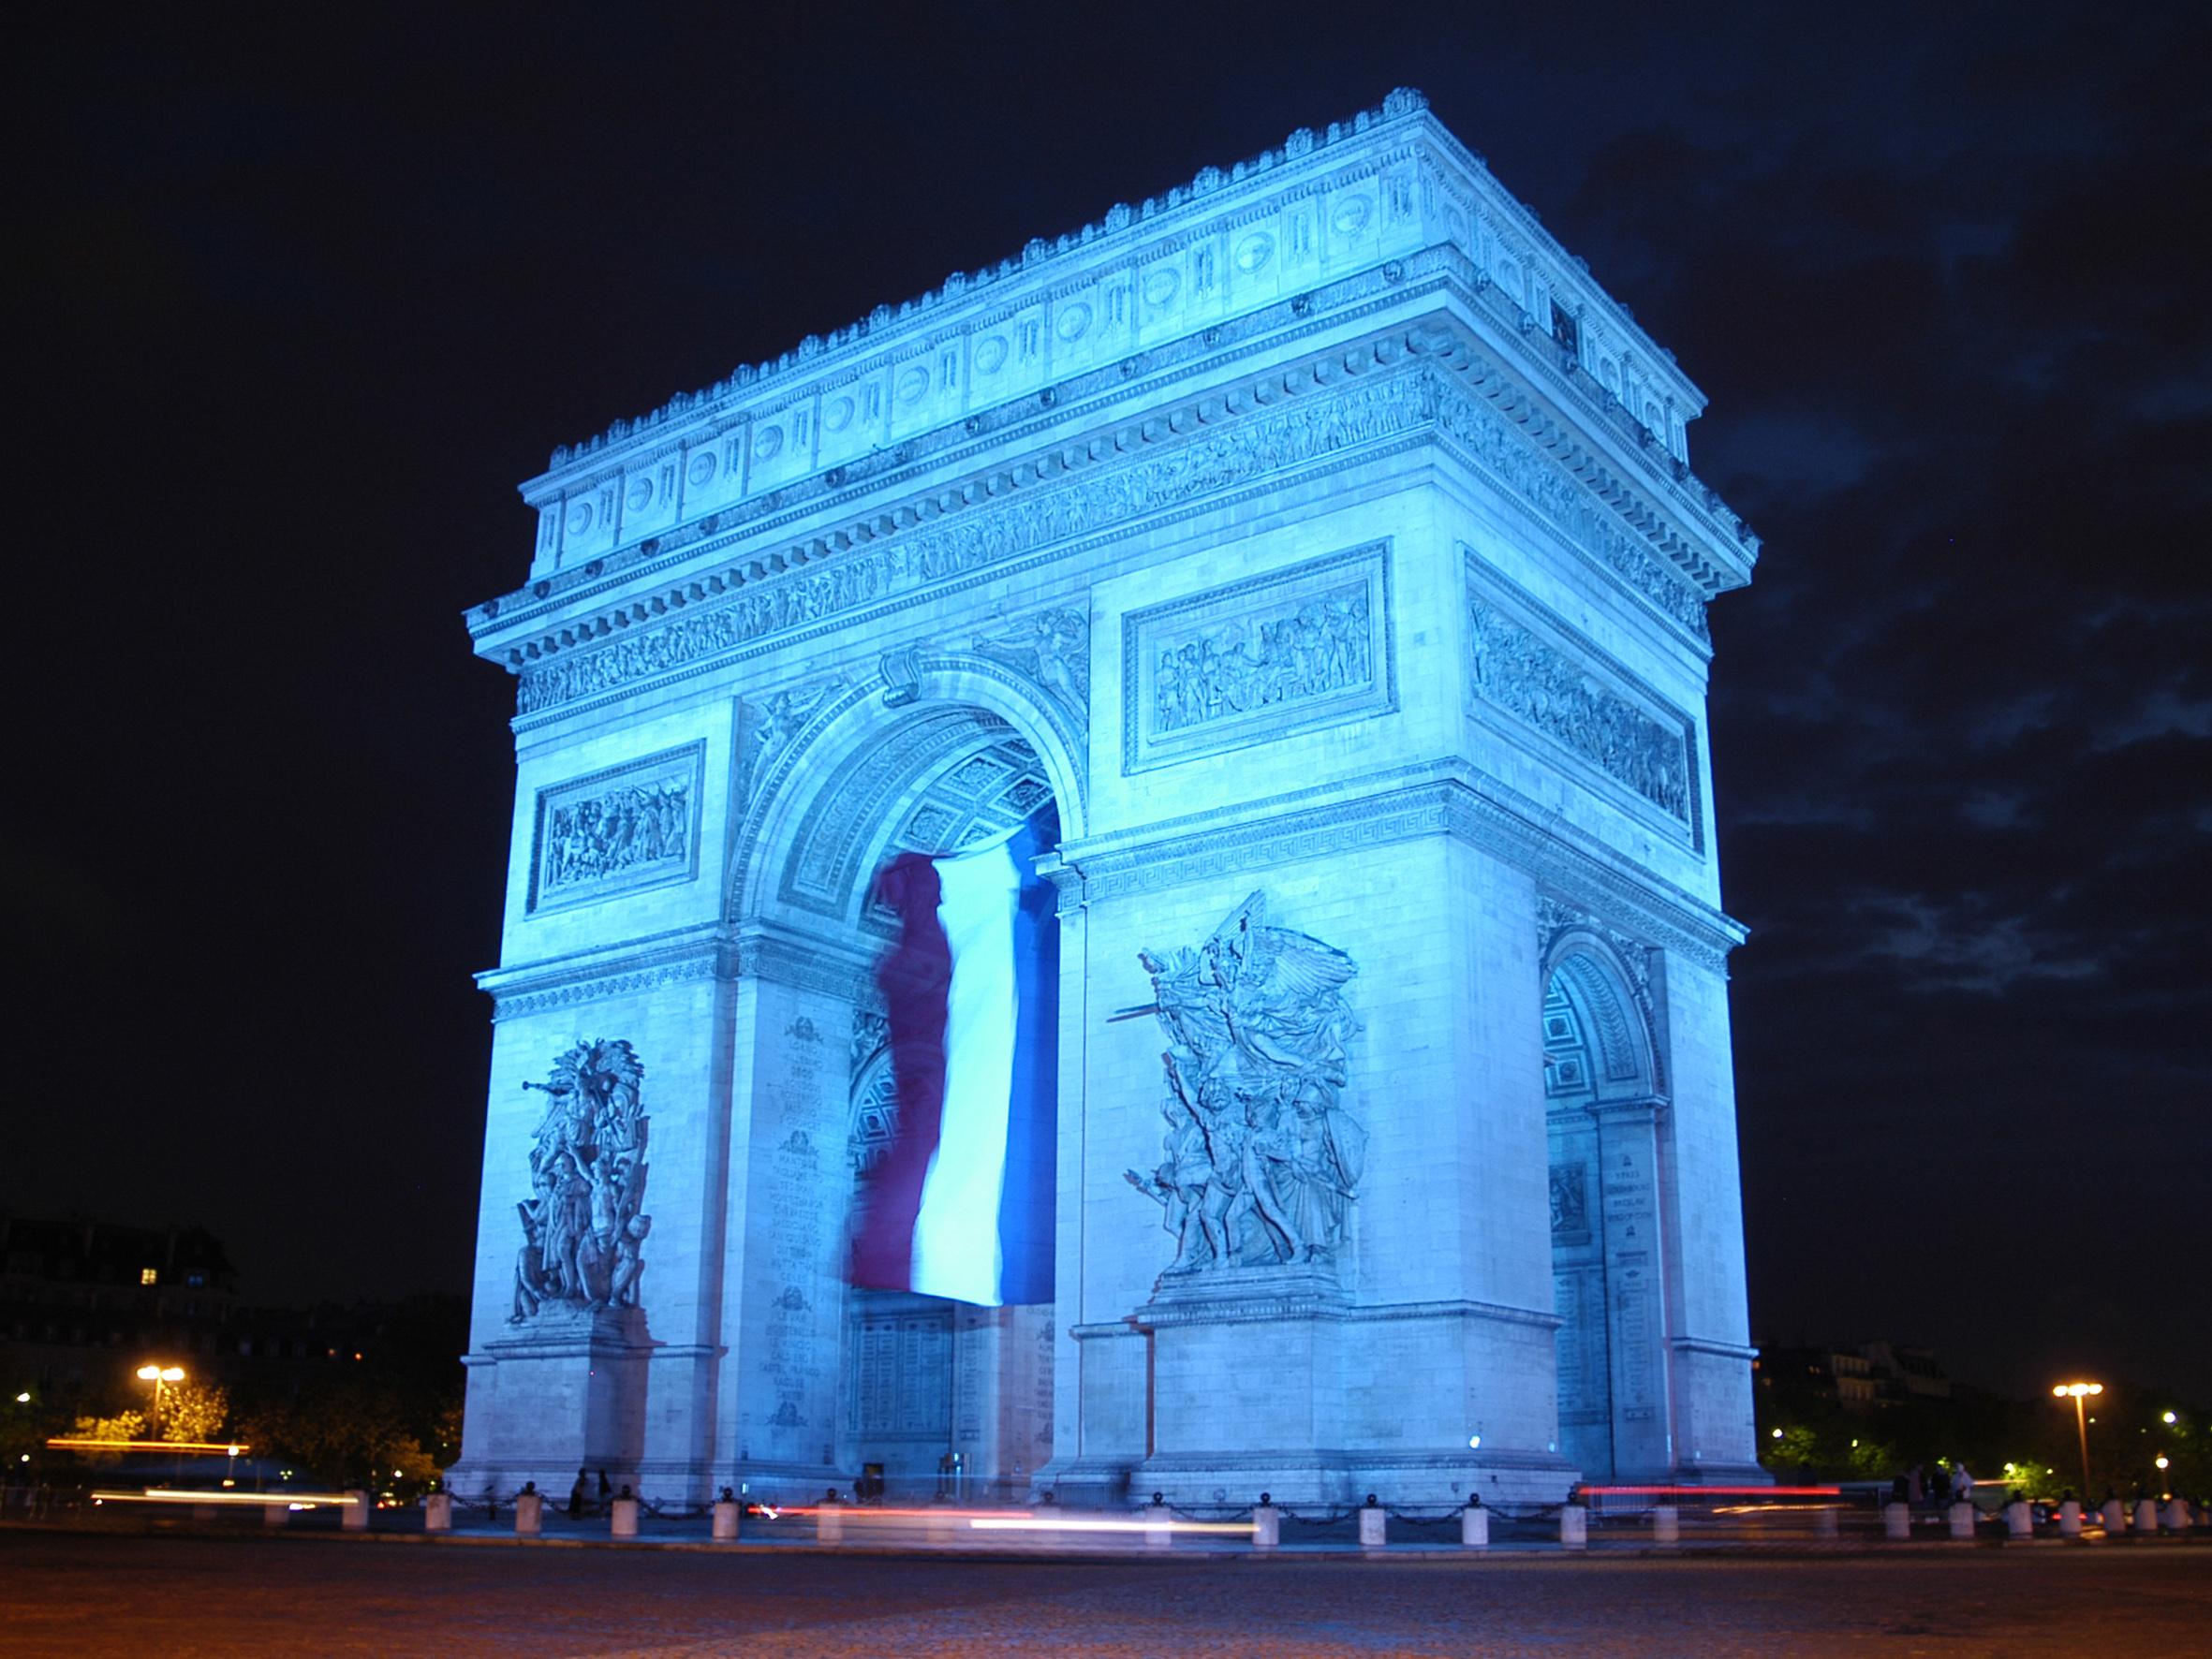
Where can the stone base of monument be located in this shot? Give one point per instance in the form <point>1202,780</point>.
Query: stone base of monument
<point>1256,1376</point>
<point>565,1391</point>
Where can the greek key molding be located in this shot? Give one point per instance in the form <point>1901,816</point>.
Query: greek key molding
<point>927,558</point>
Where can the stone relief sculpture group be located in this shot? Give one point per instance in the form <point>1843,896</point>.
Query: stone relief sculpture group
<point>623,829</point>
<point>1519,672</point>
<point>1261,1161</point>
<point>584,1224</point>
<point>1324,645</point>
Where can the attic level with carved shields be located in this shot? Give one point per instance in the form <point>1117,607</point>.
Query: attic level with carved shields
<point>1113,887</point>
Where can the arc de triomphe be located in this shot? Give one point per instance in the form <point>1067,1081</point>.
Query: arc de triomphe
<point>1320,541</point>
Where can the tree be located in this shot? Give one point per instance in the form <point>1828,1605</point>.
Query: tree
<point>126,1425</point>
<point>194,1410</point>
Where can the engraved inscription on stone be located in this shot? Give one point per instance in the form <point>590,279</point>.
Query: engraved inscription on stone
<point>1519,672</point>
<point>802,1177</point>
<point>1299,648</point>
<point>631,827</point>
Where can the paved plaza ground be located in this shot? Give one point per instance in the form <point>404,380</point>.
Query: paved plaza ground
<point>89,1596</point>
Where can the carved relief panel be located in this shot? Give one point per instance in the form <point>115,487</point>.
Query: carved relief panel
<point>615,832</point>
<point>1258,659</point>
<point>1543,678</point>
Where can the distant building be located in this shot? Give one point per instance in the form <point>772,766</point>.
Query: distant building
<point>89,1301</point>
<point>1858,1378</point>
<point>1906,1373</point>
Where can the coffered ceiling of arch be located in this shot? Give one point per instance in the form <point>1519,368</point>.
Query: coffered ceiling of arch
<point>950,779</point>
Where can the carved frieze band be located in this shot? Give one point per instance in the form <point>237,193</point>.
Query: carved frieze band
<point>1257,659</point>
<point>1553,691</point>
<point>924,556</point>
<point>629,827</point>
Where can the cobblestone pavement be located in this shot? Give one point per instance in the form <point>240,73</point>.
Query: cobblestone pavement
<point>91,1596</point>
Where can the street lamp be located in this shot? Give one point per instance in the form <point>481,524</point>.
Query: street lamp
<point>159,1375</point>
<point>2081,1421</point>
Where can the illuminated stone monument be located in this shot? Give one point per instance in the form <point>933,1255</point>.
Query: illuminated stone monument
<point>1321,540</point>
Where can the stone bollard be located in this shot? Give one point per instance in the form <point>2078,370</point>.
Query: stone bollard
<point>529,1511</point>
<point>1267,1525</point>
<point>1666,1524</point>
<point>2019,1519</point>
<point>2147,1516</point>
<point>1896,1521</point>
<point>1574,1527</point>
<point>1374,1525</point>
<point>1474,1525</point>
<point>2070,1519</point>
<point>1962,1522</point>
<point>276,1513</point>
<point>624,1513</point>
<point>2115,1518</point>
<point>727,1510</point>
<point>1827,1522</point>
<point>1159,1526</point>
<point>829,1520</point>
<point>355,1516</point>
<point>437,1513</point>
<point>2178,1515</point>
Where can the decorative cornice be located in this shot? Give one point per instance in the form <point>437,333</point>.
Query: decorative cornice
<point>1232,440</point>
<point>549,993</point>
<point>1403,806</point>
<point>1698,1344</point>
<point>776,955</point>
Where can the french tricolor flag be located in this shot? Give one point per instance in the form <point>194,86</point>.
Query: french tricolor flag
<point>961,1206</point>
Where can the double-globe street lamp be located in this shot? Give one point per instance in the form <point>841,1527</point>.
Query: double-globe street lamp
<point>160,1376</point>
<point>2074,1391</point>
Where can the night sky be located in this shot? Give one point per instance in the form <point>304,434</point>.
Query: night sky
<point>296,300</point>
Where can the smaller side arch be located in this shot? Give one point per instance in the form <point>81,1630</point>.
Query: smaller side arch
<point>1597,979</point>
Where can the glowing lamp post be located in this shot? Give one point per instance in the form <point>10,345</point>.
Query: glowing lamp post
<point>2076,1391</point>
<point>160,1376</point>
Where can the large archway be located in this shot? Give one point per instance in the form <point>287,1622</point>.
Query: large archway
<point>930,1395</point>
<point>1602,1109</point>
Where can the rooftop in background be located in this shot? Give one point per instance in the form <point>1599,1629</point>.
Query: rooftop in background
<point>1855,1376</point>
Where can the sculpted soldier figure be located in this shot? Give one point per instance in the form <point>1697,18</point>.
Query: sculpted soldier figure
<point>1263,1161</point>
<point>581,1225</point>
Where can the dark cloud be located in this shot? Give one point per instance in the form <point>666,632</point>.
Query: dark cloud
<point>301,298</point>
